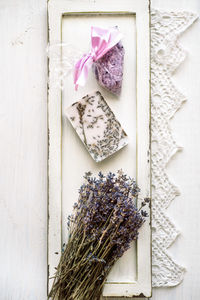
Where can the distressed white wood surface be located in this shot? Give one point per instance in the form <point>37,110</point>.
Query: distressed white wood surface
<point>23,155</point>
<point>23,150</point>
<point>62,165</point>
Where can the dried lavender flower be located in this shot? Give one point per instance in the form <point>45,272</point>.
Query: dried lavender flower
<point>104,223</point>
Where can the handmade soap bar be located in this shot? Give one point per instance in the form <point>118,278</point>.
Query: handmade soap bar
<point>109,69</point>
<point>97,126</point>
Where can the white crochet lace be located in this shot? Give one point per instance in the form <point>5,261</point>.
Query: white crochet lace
<point>166,55</point>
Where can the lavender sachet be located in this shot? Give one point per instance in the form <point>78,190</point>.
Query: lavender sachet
<point>97,126</point>
<point>106,57</point>
<point>109,69</point>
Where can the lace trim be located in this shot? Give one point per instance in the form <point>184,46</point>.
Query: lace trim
<point>166,56</point>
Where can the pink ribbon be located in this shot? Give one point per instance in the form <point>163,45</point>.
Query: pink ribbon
<point>102,41</point>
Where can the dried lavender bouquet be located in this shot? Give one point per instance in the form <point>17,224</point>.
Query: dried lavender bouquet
<point>104,223</point>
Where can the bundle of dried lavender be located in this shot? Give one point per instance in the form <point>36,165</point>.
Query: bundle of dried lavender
<point>104,223</point>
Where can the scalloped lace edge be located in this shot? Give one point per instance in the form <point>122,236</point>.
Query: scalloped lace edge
<point>166,99</point>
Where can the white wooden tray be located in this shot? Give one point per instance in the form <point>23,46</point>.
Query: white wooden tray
<point>70,23</point>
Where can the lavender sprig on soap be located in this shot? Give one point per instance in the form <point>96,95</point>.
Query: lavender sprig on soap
<point>97,126</point>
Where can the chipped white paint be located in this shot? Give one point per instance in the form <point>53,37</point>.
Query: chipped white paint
<point>23,150</point>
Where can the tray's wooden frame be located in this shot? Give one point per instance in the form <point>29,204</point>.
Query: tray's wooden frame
<point>56,10</point>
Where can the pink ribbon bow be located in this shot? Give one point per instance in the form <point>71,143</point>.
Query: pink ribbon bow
<point>102,41</point>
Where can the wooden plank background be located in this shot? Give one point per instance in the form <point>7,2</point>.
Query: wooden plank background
<point>23,152</point>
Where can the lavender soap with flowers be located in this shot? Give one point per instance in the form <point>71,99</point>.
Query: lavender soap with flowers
<point>97,126</point>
